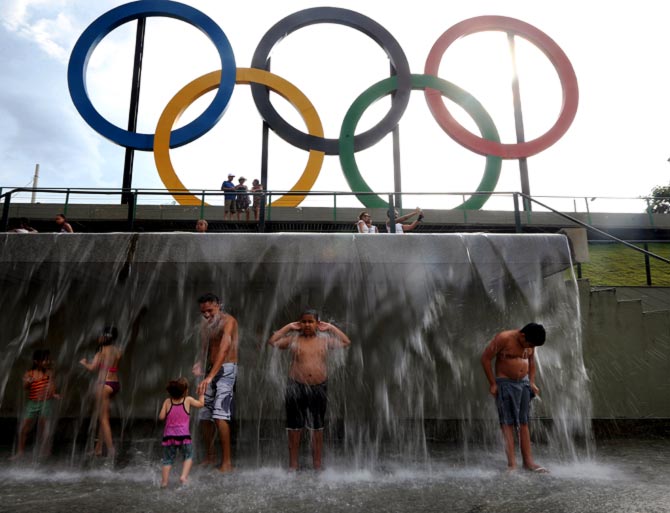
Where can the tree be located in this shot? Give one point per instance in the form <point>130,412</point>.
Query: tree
<point>659,201</point>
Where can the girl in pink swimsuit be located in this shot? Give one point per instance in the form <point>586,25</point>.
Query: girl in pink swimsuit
<point>176,412</point>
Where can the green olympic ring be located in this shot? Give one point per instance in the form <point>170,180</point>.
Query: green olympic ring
<point>419,82</point>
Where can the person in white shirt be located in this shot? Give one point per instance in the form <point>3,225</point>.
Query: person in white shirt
<point>401,228</point>
<point>364,224</point>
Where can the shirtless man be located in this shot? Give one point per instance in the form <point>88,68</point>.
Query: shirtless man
<point>219,345</point>
<point>306,393</point>
<point>514,386</point>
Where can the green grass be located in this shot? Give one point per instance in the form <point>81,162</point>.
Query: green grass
<point>618,265</point>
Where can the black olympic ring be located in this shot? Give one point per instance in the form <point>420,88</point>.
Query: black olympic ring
<point>369,27</point>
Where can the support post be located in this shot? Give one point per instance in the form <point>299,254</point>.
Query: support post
<point>518,122</point>
<point>127,196</point>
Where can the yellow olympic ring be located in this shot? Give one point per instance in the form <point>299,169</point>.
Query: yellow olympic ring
<point>210,81</point>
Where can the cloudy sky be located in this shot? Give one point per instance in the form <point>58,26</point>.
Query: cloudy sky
<point>618,145</point>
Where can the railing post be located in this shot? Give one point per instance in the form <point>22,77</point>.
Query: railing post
<point>5,211</point>
<point>391,214</point>
<point>334,206</point>
<point>517,214</point>
<point>465,211</point>
<point>649,213</point>
<point>588,212</point>
<point>647,265</point>
<point>132,201</point>
<point>67,201</point>
<point>202,205</point>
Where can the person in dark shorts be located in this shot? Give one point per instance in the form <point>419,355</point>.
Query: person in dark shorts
<point>309,341</point>
<point>513,386</point>
<point>229,197</point>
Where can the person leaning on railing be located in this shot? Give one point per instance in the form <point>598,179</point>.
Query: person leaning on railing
<point>364,224</point>
<point>63,225</point>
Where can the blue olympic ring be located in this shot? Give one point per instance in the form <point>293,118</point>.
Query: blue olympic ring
<point>76,73</point>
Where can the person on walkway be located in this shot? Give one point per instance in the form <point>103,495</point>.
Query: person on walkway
<point>243,200</point>
<point>229,197</point>
<point>201,225</point>
<point>400,227</point>
<point>259,197</point>
<point>63,225</point>
<point>364,224</point>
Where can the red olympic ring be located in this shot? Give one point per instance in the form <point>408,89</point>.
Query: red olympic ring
<point>544,43</point>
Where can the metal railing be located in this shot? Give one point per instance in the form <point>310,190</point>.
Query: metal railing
<point>265,214</point>
<point>645,250</point>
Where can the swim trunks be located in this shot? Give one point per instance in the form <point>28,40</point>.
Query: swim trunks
<point>306,405</point>
<point>170,453</point>
<point>219,394</point>
<point>35,409</point>
<point>513,400</point>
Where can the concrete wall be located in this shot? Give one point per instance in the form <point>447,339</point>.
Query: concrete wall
<point>626,353</point>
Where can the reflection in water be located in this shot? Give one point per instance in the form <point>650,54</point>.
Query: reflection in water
<point>418,309</point>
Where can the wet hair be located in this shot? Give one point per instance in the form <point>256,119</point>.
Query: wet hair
<point>209,297</point>
<point>177,388</point>
<point>39,355</point>
<point>534,333</point>
<point>310,311</point>
<point>109,335</point>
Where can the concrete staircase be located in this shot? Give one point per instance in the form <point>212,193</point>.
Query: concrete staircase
<point>626,336</point>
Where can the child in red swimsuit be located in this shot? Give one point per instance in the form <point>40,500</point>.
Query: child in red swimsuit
<point>41,388</point>
<point>176,413</point>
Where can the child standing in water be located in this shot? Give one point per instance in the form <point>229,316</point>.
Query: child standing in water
<point>176,412</point>
<point>513,386</point>
<point>306,393</point>
<point>106,364</point>
<point>41,388</point>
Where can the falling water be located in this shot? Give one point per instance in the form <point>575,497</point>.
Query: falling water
<point>419,310</point>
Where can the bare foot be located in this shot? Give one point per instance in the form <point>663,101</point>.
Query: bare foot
<point>225,468</point>
<point>16,457</point>
<point>537,469</point>
<point>183,480</point>
<point>207,462</point>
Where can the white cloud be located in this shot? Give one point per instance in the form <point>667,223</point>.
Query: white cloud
<point>44,22</point>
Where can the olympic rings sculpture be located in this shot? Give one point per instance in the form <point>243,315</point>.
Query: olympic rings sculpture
<point>261,80</point>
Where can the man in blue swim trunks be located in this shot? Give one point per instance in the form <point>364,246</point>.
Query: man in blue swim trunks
<point>513,386</point>
<point>219,348</point>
